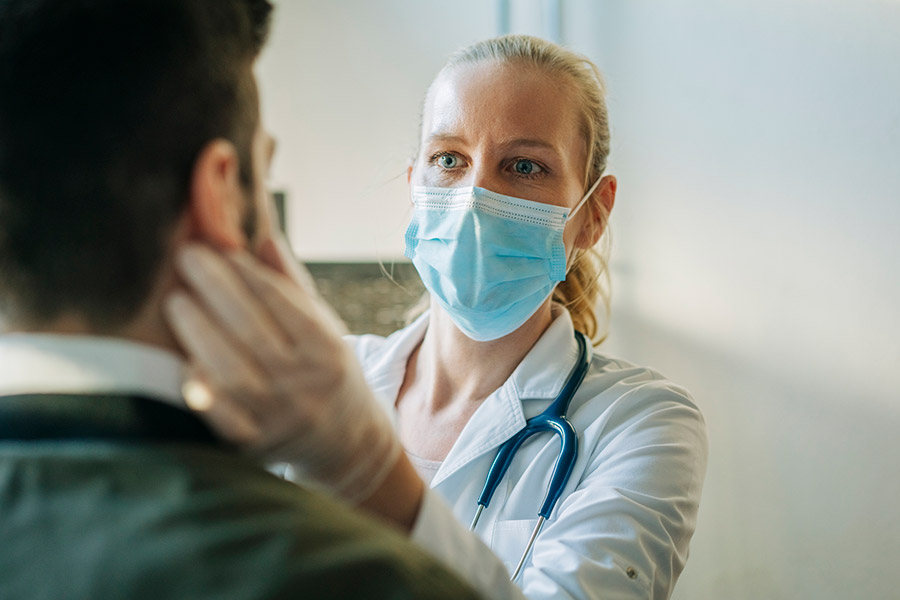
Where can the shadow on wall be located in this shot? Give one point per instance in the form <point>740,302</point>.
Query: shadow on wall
<point>800,495</point>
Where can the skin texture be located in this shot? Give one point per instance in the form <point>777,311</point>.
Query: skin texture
<point>228,226</point>
<point>471,136</point>
<point>474,136</point>
<point>484,139</point>
<point>242,312</point>
<point>216,219</point>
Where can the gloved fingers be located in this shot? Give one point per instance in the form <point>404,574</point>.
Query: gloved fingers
<point>307,319</point>
<point>275,252</point>
<point>215,355</point>
<point>228,419</point>
<point>222,290</point>
<point>313,409</point>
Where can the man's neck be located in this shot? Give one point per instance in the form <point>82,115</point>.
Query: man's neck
<point>148,327</point>
<point>142,332</point>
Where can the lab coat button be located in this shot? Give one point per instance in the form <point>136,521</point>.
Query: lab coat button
<point>632,574</point>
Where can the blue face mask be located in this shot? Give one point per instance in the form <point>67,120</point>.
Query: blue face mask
<point>489,260</point>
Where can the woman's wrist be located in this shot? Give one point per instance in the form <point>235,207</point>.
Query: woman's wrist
<point>399,497</point>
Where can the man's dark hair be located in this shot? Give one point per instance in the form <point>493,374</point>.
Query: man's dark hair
<point>105,106</point>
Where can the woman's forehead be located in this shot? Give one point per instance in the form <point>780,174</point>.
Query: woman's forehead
<point>502,102</point>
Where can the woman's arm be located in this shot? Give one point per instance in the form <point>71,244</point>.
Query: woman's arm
<point>274,376</point>
<point>623,532</point>
<point>633,513</point>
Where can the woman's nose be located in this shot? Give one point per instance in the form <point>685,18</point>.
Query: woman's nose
<point>484,177</point>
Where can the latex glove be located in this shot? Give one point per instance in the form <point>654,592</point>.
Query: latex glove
<point>272,372</point>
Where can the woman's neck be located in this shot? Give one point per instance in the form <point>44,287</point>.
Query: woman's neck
<point>453,369</point>
<point>449,375</point>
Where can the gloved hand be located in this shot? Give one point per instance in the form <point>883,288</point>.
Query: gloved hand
<point>271,372</point>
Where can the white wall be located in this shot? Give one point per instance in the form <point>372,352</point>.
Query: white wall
<point>758,262</point>
<point>757,144</point>
<point>341,84</point>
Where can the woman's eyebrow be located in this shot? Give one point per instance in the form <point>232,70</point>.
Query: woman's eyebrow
<point>538,143</point>
<point>439,136</point>
<point>530,143</point>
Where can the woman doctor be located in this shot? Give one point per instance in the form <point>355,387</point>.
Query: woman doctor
<point>509,199</point>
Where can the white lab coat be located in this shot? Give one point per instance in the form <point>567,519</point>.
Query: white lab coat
<point>622,526</point>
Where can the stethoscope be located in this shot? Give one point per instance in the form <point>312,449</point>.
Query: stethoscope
<point>553,419</point>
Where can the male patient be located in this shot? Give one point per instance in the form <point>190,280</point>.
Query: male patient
<point>127,129</point>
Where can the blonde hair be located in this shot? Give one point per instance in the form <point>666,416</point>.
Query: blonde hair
<point>587,283</point>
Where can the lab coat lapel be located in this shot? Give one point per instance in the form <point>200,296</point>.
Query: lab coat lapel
<point>385,370</point>
<point>494,422</point>
<point>537,380</point>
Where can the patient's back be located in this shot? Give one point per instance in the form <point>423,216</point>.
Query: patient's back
<point>102,519</point>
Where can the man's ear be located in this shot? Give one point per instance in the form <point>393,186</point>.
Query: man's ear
<point>409,171</point>
<point>216,197</point>
<point>598,207</point>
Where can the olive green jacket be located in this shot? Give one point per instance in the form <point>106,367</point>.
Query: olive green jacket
<point>118,497</point>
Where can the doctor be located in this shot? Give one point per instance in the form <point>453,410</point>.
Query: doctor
<point>509,200</point>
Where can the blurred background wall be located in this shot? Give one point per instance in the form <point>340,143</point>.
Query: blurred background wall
<point>756,237</point>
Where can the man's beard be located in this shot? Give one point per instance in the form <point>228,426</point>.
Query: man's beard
<point>250,223</point>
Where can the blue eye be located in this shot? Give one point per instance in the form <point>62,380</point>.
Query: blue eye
<point>448,161</point>
<point>523,166</point>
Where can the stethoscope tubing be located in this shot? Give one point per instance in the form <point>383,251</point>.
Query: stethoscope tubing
<point>552,419</point>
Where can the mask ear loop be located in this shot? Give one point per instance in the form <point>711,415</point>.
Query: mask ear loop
<point>586,196</point>
<point>575,210</point>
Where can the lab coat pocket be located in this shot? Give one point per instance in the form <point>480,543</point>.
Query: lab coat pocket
<point>509,540</point>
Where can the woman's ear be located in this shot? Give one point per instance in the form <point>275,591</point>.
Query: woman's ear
<point>216,197</point>
<point>598,208</point>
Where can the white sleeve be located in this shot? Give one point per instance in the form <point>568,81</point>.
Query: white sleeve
<point>439,532</point>
<point>623,533</point>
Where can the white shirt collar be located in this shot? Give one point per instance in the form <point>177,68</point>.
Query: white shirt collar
<point>538,379</point>
<point>44,364</point>
<point>546,368</point>
<point>541,374</point>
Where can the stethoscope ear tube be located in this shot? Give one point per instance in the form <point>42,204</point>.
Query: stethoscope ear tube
<point>501,463</point>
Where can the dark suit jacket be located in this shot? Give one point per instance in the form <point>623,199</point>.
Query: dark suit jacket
<point>118,497</point>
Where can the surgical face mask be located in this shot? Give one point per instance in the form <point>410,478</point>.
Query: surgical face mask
<point>489,260</point>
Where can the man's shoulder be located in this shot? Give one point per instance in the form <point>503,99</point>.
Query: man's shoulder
<point>180,520</point>
<point>320,543</point>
